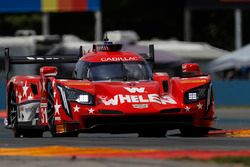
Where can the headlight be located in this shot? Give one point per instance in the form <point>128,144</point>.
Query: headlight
<point>75,95</point>
<point>83,99</point>
<point>68,94</point>
<point>196,94</point>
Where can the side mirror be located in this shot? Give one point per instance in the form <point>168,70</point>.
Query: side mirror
<point>48,71</point>
<point>163,80</point>
<point>158,76</point>
<point>190,69</point>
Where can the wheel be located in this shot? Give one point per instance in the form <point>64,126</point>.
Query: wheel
<point>152,133</point>
<point>13,120</point>
<point>32,133</point>
<point>51,111</point>
<point>194,132</point>
<point>51,116</point>
<point>12,114</point>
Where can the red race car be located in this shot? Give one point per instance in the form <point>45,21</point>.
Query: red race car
<point>110,91</point>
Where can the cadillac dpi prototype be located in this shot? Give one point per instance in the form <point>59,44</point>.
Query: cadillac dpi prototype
<point>110,92</point>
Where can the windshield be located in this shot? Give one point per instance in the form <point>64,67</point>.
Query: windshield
<point>119,71</point>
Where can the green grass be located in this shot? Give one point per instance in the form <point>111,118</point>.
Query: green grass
<point>233,160</point>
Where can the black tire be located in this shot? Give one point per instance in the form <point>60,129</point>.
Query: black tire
<point>13,120</point>
<point>12,113</point>
<point>152,133</point>
<point>51,111</point>
<point>51,116</point>
<point>194,132</point>
<point>36,133</point>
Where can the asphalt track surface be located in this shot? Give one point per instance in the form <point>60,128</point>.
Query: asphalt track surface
<point>228,119</point>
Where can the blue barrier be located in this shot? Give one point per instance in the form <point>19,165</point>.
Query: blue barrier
<point>2,94</point>
<point>232,93</point>
<point>227,93</point>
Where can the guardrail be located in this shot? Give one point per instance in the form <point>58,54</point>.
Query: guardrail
<point>227,93</point>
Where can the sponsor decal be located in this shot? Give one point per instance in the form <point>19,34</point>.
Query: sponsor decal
<point>115,59</point>
<point>148,98</point>
<point>140,106</point>
<point>43,105</point>
<point>145,98</point>
<point>44,118</point>
<point>135,90</point>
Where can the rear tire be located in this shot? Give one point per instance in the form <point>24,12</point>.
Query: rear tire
<point>32,133</point>
<point>13,119</point>
<point>194,132</point>
<point>12,113</point>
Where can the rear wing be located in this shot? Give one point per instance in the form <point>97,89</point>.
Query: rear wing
<point>55,59</point>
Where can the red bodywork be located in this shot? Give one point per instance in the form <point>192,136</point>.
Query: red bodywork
<point>119,106</point>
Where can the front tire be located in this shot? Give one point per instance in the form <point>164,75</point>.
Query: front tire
<point>51,116</point>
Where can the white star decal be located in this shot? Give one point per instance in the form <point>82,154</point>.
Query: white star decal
<point>91,111</point>
<point>187,109</point>
<point>20,98</point>
<point>199,106</point>
<point>45,111</point>
<point>42,119</point>
<point>57,108</point>
<point>25,89</point>
<point>30,97</point>
<point>76,108</point>
<point>53,83</point>
<point>44,115</point>
<point>43,85</point>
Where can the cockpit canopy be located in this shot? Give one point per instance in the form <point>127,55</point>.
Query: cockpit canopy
<point>113,71</point>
